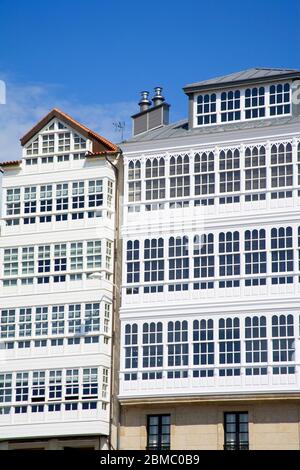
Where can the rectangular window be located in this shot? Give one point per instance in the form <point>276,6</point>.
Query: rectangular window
<point>38,391</point>
<point>110,187</point>
<point>280,99</point>
<point>64,142</point>
<point>158,432</point>
<point>8,324</point>
<point>154,264</point>
<point>60,257</point>
<point>58,320</point>
<point>76,256</point>
<point>236,431</point>
<point>255,257</point>
<point>155,180</point>
<point>255,103</point>
<point>131,350</point>
<point>256,345</point>
<point>28,260</point>
<point>90,383</point>
<point>95,193</point>
<point>134,184</point>
<point>48,143</point>
<point>204,260</point>
<point>282,254</point>
<point>79,142</point>
<point>11,263</point>
<point>152,349</point>
<point>72,384</point>
<point>204,175</point>
<point>230,175</point>
<point>74,319</point>
<point>283,342</point>
<point>62,201</point>
<point>229,346</point>
<point>229,259</point>
<point>255,172</point>
<point>92,317</point>
<point>281,169</point>
<point>230,106</point>
<point>206,110</point>
<point>78,195</point>
<point>41,321</point>
<point>179,176</point>
<point>46,198</point>
<point>25,322</point>
<point>178,262</point>
<point>13,201</point>
<point>133,262</point>
<point>94,259</point>
<point>178,348</point>
<point>55,385</point>
<point>5,388</point>
<point>30,200</point>
<point>44,259</point>
<point>22,386</point>
<point>33,148</point>
<point>203,347</point>
<point>108,258</point>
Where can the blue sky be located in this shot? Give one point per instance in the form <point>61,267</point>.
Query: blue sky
<point>92,57</point>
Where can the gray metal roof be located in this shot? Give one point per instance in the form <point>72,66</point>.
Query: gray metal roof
<point>255,73</point>
<point>180,128</point>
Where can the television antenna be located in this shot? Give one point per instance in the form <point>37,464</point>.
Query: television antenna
<point>119,127</point>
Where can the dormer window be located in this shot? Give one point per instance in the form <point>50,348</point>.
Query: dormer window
<point>242,104</point>
<point>255,103</point>
<point>206,109</point>
<point>230,106</point>
<point>280,99</point>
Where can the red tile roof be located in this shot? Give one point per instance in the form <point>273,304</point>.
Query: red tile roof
<point>106,144</point>
<point>11,163</point>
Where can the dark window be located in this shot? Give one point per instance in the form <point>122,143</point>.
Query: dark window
<point>236,431</point>
<point>158,432</point>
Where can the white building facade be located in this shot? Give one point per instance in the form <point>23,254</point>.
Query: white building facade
<point>210,342</point>
<point>56,264</point>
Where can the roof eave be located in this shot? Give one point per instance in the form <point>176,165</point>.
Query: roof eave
<point>194,88</point>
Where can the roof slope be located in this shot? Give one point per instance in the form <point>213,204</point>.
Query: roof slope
<point>181,129</point>
<point>102,143</point>
<point>254,73</point>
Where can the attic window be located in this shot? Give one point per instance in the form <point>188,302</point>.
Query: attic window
<point>243,104</point>
<point>33,148</point>
<point>280,99</point>
<point>48,143</point>
<point>206,109</point>
<point>79,142</point>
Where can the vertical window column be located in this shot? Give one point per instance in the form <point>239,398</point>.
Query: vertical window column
<point>229,259</point>
<point>152,350</point>
<point>131,351</point>
<point>178,263</point>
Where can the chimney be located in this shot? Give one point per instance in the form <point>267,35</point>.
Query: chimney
<point>145,103</point>
<point>158,98</point>
<point>151,117</point>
